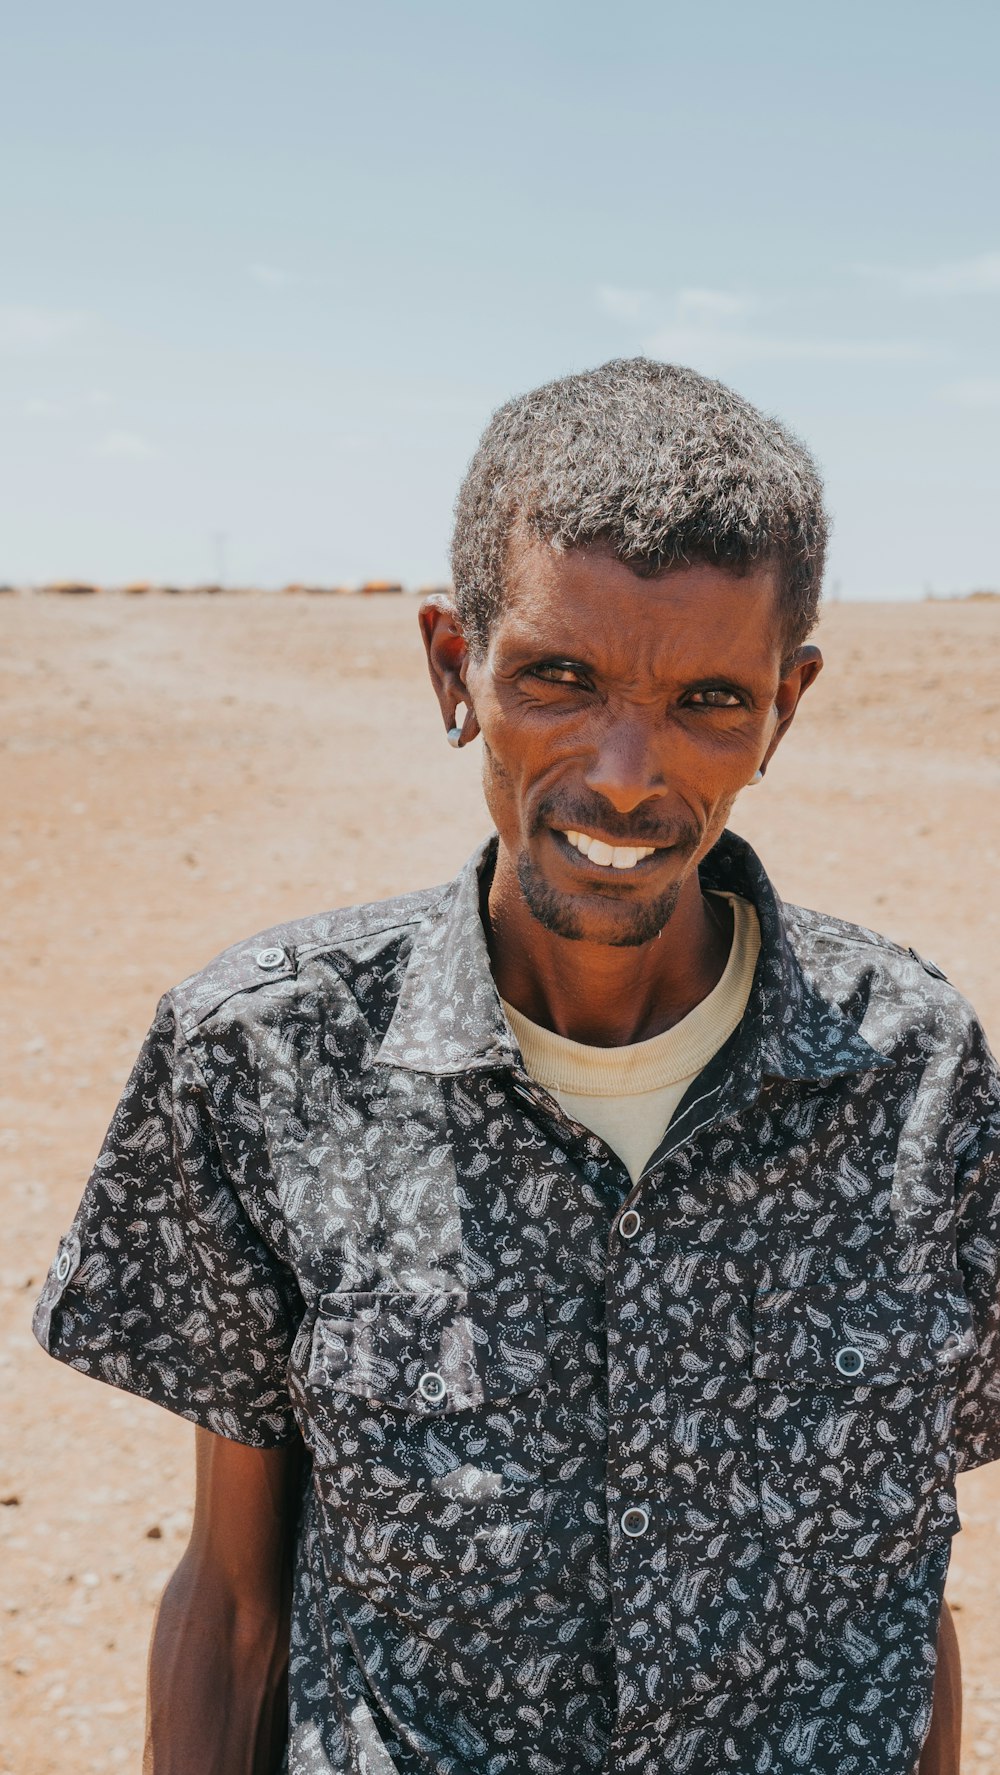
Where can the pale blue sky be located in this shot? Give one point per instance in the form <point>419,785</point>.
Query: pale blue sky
<point>265,270</point>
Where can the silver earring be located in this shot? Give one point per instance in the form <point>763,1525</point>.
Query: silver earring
<point>758,777</point>
<point>457,728</point>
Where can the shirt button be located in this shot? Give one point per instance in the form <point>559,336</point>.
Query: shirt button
<point>629,1224</point>
<point>635,1521</point>
<point>850,1360</point>
<point>431,1387</point>
<point>270,958</point>
<point>63,1266</point>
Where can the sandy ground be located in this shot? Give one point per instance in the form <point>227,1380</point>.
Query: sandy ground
<point>180,773</point>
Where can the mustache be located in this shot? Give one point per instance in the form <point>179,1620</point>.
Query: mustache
<point>594,815</point>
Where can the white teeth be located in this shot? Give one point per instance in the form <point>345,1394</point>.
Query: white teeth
<point>608,855</point>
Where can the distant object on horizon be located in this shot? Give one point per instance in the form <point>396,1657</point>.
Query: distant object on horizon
<point>371,588</point>
<point>138,588</point>
<point>314,591</point>
<point>976,597</point>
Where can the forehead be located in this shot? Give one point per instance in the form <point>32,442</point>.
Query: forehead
<point>584,603</point>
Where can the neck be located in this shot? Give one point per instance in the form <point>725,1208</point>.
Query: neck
<point>591,992</point>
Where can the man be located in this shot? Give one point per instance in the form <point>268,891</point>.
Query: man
<point>583,1277</point>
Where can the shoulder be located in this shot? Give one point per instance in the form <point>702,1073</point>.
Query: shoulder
<point>283,952</point>
<point>828,941</point>
<point>898,995</point>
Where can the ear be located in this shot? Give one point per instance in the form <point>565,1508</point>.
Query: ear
<point>802,670</point>
<point>447,660</point>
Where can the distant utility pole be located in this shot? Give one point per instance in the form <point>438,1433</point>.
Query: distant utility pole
<point>219,540</point>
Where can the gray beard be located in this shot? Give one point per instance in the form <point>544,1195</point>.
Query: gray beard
<point>557,912</point>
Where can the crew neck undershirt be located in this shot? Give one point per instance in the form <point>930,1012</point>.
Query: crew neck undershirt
<point>627,1095</point>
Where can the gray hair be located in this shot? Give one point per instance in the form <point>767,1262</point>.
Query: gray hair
<point>658,464</point>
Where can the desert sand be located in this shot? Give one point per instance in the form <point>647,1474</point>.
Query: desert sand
<point>180,773</point>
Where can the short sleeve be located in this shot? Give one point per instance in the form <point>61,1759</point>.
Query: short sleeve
<point>976,1140</point>
<point>163,1285</point>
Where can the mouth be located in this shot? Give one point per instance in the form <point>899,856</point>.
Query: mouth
<point>602,855</point>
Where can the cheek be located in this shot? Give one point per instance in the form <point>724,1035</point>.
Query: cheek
<point>509,780</point>
<point>498,789</point>
<point>496,776</point>
<point>509,754</point>
<point>711,782</point>
<point>721,763</point>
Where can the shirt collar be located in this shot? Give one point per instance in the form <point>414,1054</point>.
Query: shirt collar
<point>448,1017</point>
<point>791,1029</point>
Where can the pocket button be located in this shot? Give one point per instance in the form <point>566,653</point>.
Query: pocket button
<point>850,1361</point>
<point>635,1521</point>
<point>431,1387</point>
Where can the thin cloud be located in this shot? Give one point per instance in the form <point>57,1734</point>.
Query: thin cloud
<point>973,391</point>
<point>24,328</point>
<point>271,277</point>
<point>128,445</point>
<point>42,409</point>
<point>718,346</point>
<point>712,305</point>
<point>694,305</point>
<point>623,304</point>
<point>979,276</point>
<point>709,329</point>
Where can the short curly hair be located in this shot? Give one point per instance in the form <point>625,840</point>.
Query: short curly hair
<point>658,464</point>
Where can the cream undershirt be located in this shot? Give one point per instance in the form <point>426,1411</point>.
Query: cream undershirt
<point>628,1095</point>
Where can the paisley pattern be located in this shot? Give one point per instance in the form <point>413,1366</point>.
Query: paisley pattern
<point>585,1493</point>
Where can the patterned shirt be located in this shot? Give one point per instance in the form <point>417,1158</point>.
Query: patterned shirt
<point>601,1476</point>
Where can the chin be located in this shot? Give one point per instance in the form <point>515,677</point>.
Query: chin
<point>595,918</point>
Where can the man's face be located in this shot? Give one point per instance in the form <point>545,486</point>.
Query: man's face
<point>621,717</point>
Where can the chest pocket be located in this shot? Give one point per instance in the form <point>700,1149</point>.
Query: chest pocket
<point>426,1416</point>
<point>857,1390</point>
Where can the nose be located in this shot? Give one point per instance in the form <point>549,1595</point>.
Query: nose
<point>626,768</point>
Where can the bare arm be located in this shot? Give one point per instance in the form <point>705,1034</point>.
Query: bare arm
<point>943,1748</point>
<point>218,1661</point>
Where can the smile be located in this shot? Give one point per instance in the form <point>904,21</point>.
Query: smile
<point>609,856</point>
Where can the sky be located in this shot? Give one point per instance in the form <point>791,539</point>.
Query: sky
<point>266,271</point>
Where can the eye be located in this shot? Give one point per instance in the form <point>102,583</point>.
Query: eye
<point>559,671</point>
<point>715,696</point>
